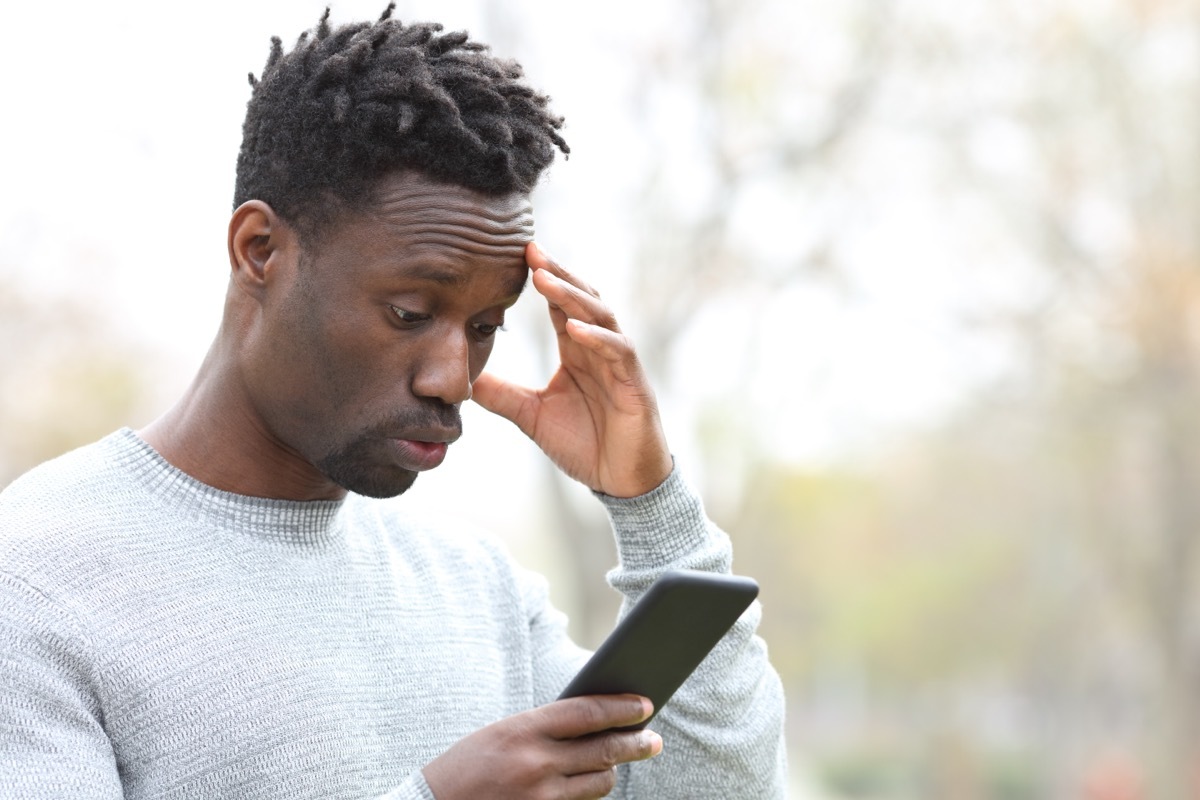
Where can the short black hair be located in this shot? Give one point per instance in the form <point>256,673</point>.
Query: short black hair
<point>348,105</point>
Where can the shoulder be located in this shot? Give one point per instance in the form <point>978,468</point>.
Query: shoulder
<point>74,484</point>
<point>63,509</point>
<point>55,479</point>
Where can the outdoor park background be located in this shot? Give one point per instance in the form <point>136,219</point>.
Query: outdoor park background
<point>918,283</point>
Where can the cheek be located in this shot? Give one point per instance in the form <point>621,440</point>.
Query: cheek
<point>326,360</point>
<point>359,366</point>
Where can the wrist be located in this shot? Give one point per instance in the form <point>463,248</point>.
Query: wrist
<point>642,481</point>
<point>663,526</point>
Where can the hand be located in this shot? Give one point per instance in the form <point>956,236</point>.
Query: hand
<point>597,418</point>
<point>557,751</point>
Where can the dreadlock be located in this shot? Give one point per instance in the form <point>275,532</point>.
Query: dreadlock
<point>348,105</point>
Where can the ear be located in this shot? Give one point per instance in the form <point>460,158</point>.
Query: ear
<point>260,245</point>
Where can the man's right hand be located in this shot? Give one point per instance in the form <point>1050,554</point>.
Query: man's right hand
<point>564,750</point>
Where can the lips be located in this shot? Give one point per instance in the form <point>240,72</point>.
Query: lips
<point>418,455</point>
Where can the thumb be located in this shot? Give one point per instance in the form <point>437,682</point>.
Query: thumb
<point>506,399</point>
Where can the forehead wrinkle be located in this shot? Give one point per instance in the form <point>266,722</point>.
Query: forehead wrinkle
<point>442,224</point>
<point>515,211</point>
<point>428,212</point>
<point>467,230</point>
<point>433,242</point>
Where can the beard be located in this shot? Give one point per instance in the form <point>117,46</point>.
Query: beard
<point>362,465</point>
<point>357,468</point>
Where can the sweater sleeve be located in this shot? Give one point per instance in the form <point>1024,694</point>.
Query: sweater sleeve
<point>415,788</point>
<point>723,729</point>
<point>52,739</point>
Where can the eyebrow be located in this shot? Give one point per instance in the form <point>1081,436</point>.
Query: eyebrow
<point>518,286</point>
<point>440,276</point>
<point>454,278</point>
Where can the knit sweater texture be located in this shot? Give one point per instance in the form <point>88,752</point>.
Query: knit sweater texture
<point>160,638</point>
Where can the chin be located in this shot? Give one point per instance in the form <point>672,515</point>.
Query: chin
<point>379,482</point>
<point>380,486</point>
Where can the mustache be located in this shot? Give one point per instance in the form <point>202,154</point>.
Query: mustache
<point>437,416</point>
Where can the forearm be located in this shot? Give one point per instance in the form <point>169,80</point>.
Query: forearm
<point>723,729</point>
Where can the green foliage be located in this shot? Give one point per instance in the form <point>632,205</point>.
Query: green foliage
<point>869,775</point>
<point>894,774</point>
<point>876,577</point>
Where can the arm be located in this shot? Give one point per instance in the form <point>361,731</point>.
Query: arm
<point>52,740</point>
<point>597,419</point>
<point>723,729</point>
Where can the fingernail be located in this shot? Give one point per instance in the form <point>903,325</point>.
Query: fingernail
<point>647,708</point>
<point>653,741</point>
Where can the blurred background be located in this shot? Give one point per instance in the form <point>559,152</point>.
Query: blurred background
<point>918,283</point>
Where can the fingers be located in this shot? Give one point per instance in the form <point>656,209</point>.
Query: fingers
<point>579,716</point>
<point>589,749</point>
<point>603,751</point>
<point>613,347</point>
<point>590,784</point>
<point>581,317</point>
<point>515,403</point>
<point>567,294</point>
<point>564,749</point>
<point>537,259</point>
<point>589,770</point>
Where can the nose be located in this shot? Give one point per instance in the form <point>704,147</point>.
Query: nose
<point>444,371</point>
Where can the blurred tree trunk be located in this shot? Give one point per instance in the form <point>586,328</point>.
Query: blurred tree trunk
<point>1170,382</point>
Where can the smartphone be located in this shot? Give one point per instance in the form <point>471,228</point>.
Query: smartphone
<point>664,637</point>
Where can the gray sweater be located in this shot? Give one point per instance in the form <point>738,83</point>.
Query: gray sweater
<point>160,638</point>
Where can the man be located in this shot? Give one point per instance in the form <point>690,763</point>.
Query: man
<point>213,606</point>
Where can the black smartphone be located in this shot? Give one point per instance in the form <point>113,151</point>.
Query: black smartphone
<point>664,637</point>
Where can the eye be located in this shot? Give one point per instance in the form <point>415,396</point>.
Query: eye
<point>487,330</point>
<point>408,318</point>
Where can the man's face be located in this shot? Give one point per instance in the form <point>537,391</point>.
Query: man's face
<point>370,349</point>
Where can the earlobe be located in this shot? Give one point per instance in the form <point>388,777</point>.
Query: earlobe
<point>257,241</point>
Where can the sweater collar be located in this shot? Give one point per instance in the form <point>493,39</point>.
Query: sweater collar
<point>296,521</point>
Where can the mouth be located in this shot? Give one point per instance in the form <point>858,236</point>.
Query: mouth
<point>426,450</point>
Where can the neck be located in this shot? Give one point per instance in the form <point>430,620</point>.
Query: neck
<point>213,434</point>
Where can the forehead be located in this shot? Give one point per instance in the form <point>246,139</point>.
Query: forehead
<point>437,216</point>
<point>414,232</point>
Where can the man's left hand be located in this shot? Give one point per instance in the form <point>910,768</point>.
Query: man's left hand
<point>597,418</point>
